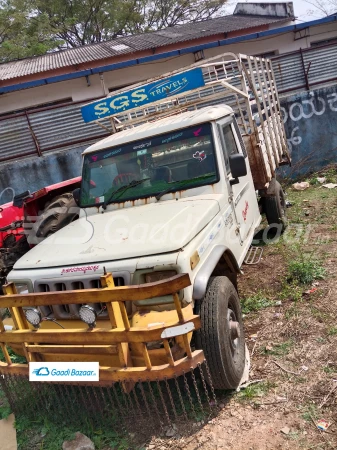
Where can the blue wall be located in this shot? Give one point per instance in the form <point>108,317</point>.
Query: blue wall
<point>310,120</point>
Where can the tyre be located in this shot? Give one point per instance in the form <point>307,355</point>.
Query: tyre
<point>61,211</point>
<point>221,336</point>
<point>275,208</point>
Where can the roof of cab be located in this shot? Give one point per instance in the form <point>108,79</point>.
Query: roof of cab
<point>162,126</point>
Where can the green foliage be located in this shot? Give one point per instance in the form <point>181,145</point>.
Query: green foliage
<point>255,390</point>
<point>304,270</point>
<point>255,302</point>
<point>34,27</point>
<point>281,349</point>
<point>332,331</point>
<point>310,412</point>
<point>5,409</point>
<point>16,359</point>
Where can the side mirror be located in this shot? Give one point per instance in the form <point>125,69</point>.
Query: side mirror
<point>77,196</point>
<point>238,167</point>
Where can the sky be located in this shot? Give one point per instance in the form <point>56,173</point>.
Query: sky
<point>301,8</point>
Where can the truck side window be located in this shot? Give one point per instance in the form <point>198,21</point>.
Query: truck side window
<point>230,147</point>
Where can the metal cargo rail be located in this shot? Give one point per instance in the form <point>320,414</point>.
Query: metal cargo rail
<point>124,344</point>
<point>245,83</point>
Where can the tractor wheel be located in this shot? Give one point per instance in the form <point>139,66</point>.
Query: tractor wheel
<point>221,336</point>
<point>275,208</point>
<point>61,211</point>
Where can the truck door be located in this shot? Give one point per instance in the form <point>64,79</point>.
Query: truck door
<point>242,195</point>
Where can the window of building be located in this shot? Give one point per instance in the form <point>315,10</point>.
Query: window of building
<point>323,42</point>
<point>267,54</point>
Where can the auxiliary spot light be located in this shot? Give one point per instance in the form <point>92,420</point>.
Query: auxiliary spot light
<point>88,315</point>
<point>33,316</point>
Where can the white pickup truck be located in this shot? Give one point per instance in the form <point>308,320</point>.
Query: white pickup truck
<point>178,189</point>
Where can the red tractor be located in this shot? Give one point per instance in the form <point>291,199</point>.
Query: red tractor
<point>32,217</point>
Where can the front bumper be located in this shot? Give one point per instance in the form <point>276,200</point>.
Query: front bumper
<point>124,350</point>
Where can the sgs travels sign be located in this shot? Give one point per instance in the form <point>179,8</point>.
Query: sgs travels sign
<point>148,93</point>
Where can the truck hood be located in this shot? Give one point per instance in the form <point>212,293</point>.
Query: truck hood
<point>139,231</point>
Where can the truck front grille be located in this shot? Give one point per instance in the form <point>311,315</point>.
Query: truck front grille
<point>71,311</point>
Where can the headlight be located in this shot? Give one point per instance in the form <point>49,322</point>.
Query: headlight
<point>88,315</point>
<point>21,288</point>
<point>151,277</point>
<point>33,316</point>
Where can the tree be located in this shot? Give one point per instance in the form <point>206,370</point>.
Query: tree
<point>19,36</point>
<point>324,7</point>
<point>33,27</point>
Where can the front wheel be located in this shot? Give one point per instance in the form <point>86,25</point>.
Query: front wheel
<point>221,336</point>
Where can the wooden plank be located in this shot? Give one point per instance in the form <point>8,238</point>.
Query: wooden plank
<point>97,336</point>
<point>117,315</point>
<point>113,374</point>
<point>18,317</point>
<point>6,354</point>
<point>146,358</point>
<point>70,349</point>
<point>177,304</point>
<point>120,293</point>
<point>168,352</point>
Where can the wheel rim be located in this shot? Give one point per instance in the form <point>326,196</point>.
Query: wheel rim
<point>234,331</point>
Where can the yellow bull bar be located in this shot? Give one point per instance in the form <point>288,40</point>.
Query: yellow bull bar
<point>128,343</point>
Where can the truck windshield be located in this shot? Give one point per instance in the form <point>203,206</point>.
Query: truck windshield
<point>180,160</point>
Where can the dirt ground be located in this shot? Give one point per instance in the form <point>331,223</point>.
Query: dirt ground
<point>292,342</point>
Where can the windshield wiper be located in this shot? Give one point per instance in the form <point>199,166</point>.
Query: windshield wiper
<point>180,185</point>
<point>123,189</point>
<point>166,191</point>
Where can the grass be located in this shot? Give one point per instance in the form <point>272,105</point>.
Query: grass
<point>255,302</point>
<point>5,410</point>
<point>280,349</point>
<point>305,270</point>
<point>309,412</point>
<point>45,435</point>
<point>332,331</point>
<point>254,391</point>
<point>329,369</point>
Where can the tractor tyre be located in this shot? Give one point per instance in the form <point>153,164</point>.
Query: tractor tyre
<point>221,336</point>
<point>61,211</point>
<point>275,208</point>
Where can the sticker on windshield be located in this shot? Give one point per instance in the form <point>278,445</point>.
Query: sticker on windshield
<point>196,133</point>
<point>200,156</point>
<point>141,152</point>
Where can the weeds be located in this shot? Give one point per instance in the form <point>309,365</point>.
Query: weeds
<point>255,303</point>
<point>255,390</point>
<point>310,412</point>
<point>304,270</point>
<point>281,349</point>
<point>329,369</point>
<point>332,331</point>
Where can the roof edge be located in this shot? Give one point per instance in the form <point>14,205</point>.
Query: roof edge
<point>146,59</point>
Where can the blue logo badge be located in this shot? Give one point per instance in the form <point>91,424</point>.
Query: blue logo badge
<point>41,372</point>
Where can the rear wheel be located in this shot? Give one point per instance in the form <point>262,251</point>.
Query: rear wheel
<point>221,336</point>
<point>61,211</point>
<point>275,207</point>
